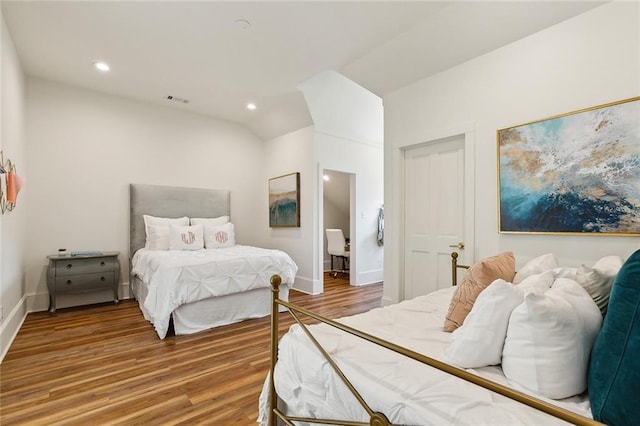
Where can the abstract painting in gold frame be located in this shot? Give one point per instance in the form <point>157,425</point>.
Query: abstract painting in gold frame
<point>575,173</point>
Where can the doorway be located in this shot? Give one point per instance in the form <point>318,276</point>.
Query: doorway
<point>336,196</point>
<point>436,200</point>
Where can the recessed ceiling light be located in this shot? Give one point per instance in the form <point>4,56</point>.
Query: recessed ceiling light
<point>251,106</point>
<point>102,66</point>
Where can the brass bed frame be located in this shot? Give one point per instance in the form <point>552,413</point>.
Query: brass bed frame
<point>377,418</point>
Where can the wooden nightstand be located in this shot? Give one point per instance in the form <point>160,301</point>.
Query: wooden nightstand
<point>82,273</point>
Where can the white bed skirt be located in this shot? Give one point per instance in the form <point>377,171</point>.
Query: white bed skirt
<point>215,311</point>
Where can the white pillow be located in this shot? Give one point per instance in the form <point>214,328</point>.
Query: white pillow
<point>213,221</point>
<point>539,282</point>
<point>219,236</point>
<point>157,237</point>
<point>186,237</point>
<point>565,272</point>
<point>535,266</point>
<point>549,340</point>
<point>599,279</point>
<point>479,341</point>
<point>161,221</point>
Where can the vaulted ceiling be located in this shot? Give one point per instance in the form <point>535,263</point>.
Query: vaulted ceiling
<point>222,55</point>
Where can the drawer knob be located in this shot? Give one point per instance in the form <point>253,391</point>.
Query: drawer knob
<point>102,263</point>
<point>102,278</point>
<point>69,266</point>
<point>68,282</point>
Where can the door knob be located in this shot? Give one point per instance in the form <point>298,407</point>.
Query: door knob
<point>459,245</point>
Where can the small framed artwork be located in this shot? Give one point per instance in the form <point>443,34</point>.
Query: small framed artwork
<point>575,173</point>
<point>284,201</point>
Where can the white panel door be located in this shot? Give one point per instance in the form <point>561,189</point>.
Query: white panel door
<point>434,211</point>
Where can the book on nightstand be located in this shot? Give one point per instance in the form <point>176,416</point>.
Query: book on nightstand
<point>86,253</point>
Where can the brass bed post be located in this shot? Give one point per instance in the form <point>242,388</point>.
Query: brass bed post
<point>454,268</point>
<point>273,398</point>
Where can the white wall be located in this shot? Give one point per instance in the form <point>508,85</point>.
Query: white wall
<point>348,135</point>
<point>589,60</point>
<point>286,154</point>
<point>12,224</point>
<point>357,150</point>
<point>365,162</point>
<point>85,148</point>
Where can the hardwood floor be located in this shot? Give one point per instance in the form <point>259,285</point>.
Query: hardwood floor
<point>104,364</point>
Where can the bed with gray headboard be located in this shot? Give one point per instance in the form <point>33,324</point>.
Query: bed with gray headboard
<point>174,202</point>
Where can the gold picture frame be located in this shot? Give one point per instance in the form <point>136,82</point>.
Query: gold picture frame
<point>576,173</point>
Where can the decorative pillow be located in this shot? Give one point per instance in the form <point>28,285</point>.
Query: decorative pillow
<point>539,282</point>
<point>479,341</point>
<point>157,237</point>
<point>599,279</point>
<point>535,266</point>
<point>219,236</point>
<point>477,278</point>
<point>614,371</point>
<point>186,237</point>
<point>549,340</point>
<point>565,272</point>
<point>161,221</point>
<point>213,221</point>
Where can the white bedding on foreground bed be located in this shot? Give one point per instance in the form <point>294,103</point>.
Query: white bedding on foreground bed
<point>407,391</point>
<point>178,277</point>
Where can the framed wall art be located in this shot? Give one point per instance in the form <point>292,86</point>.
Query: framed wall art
<point>284,201</point>
<point>575,173</point>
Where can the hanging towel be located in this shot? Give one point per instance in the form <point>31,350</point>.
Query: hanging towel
<point>381,226</point>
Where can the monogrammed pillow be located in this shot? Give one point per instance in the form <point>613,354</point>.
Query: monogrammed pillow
<point>186,237</point>
<point>219,236</point>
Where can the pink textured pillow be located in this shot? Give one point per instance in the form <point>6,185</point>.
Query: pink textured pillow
<point>477,278</point>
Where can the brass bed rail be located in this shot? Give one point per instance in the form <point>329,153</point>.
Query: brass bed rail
<point>376,418</point>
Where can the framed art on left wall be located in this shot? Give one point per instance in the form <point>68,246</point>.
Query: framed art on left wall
<point>284,201</point>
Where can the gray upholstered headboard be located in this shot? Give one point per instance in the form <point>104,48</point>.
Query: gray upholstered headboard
<point>171,201</point>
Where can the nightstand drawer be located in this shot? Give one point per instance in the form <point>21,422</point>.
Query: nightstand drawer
<point>84,266</point>
<point>84,282</point>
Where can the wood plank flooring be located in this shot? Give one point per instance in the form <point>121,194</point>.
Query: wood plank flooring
<point>104,364</point>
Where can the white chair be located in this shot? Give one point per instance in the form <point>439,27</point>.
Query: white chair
<point>337,247</point>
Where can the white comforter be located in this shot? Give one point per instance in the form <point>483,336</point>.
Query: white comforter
<point>408,392</point>
<point>176,277</point>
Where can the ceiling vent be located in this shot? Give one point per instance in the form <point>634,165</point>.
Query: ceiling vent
<point>177,99</point>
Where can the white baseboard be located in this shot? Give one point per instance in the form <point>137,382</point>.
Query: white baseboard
<point>307,285</point>
<point>369,277</point>
<point>11,325</point>
<point>39,302</point>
